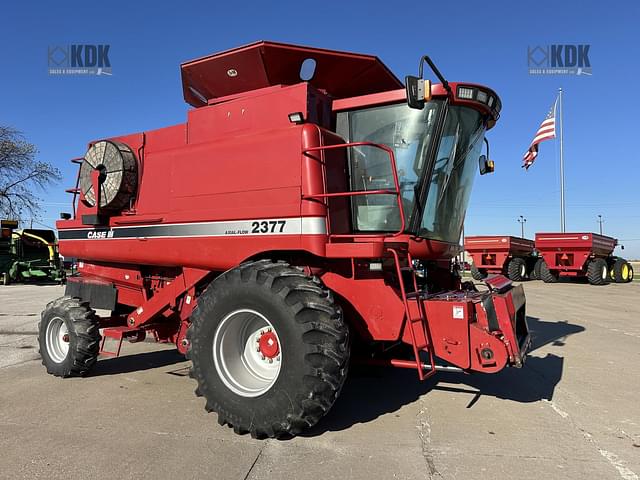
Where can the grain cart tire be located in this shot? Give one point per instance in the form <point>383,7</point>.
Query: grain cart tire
<point>535,271</point>
<point>517,269</point>
<point>598,271</point>
<point>269,348</point>
<point>69,337</point>
<point>621,270</point>
<point>118,169</point>
<point>546,275</point>
<point>477,274</point>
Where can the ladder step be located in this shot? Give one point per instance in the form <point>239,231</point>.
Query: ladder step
<point>118,334</point>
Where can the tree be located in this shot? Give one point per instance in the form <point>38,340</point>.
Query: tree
<point>21,175</point>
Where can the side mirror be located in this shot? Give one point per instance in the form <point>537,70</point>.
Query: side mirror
<point>418,91</point>
<point>486,165</point>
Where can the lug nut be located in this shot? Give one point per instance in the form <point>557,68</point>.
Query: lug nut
<point>271,360</point>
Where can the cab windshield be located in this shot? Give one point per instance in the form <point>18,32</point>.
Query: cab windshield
<point>411,133</point>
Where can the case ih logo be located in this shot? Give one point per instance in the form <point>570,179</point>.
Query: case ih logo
<point>79,60</point>
<point>559,60</point>
<point>100,234</point>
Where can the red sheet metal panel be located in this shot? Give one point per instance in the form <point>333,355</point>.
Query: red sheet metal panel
<point>264,64</point>
<point>598,244</point>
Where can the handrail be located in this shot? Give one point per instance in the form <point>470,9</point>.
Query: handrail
<point>75,191</point>
<point>395,192</point>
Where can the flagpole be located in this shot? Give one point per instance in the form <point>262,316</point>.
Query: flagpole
<point>562,209</point>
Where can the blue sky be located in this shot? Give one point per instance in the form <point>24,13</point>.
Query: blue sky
<point>483,42</point>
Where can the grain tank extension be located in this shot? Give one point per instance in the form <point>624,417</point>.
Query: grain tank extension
<point>292,225</point>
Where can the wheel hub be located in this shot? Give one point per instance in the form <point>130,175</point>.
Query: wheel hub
<point>247,353</point>
<point>57,340</point>
<point>268,344</point>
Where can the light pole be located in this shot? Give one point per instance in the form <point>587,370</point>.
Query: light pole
<point>600,222</point>
<point>522,221</point>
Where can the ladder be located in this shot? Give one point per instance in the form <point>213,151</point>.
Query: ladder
<point>418,324</point>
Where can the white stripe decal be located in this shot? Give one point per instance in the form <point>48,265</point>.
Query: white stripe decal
<point>230,228</point>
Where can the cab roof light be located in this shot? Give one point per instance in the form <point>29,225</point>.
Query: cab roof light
<point>465,93</point>
<point>481,96</point>
<point>296,117</point>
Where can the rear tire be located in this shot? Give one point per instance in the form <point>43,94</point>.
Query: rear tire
<point>517,269</point>
<point>598,271</point>
<point>477,274</point>
<point>69,337</point>
<point>546,275</point>
<point>311,355</point>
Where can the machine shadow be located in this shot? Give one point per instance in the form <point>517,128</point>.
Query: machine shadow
<point>136,362</point>
<point>360,401</point>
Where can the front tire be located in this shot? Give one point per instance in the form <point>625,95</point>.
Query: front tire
<point>517,269</point>
<point>69,337</point>
<point>630,269</point>
<point>622,271</point>
<point>269,349</point>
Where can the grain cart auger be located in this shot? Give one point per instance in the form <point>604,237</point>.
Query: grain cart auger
<point>307,212</point>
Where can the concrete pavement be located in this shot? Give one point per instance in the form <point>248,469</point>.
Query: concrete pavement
<point>571,412</point>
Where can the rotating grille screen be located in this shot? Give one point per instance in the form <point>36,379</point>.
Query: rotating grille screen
<point>118,169</point>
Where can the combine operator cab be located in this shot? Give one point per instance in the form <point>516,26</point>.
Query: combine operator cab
<point>304,217</point>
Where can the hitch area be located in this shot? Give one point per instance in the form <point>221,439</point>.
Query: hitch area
<point>480,331</point>
<point>470,330</point>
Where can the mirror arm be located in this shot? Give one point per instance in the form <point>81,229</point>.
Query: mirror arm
<point>435,70</point>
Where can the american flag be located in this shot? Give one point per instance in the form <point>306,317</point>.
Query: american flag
<point>546,131</point>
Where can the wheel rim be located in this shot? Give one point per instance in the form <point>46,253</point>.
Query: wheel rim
<point>625,272</point>
<point>247,353</point>
<point>57,336</point>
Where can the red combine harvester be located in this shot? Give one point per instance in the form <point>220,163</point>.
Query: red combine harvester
<point>306,213</point>
<point>506,255</point>
<point>579,255</point>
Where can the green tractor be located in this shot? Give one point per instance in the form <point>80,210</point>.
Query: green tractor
<point>28,254</point>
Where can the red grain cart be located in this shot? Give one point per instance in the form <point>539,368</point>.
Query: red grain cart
<point>580,255</point>
<point>506,255</point>
<point>291,217</point>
